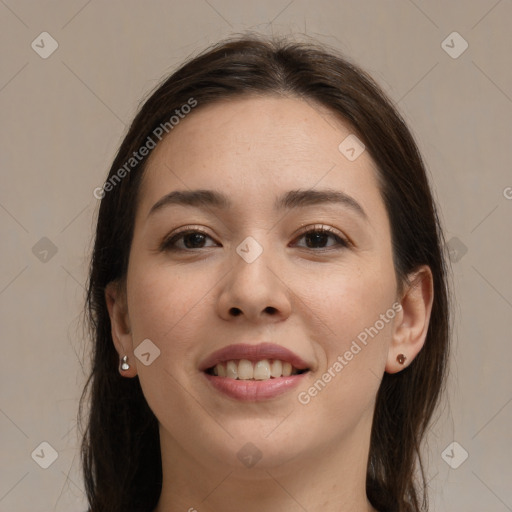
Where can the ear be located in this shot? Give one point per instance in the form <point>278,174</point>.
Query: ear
<point>412,321</point>
<point>115,297</point>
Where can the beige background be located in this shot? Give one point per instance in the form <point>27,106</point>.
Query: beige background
<point>64,116</point>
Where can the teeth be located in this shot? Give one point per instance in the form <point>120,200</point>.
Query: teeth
<point>261,370</point>
<point>231,370</point>
<point>287,369</point>
<point>245,370</point>
<point>220,370</point>
<point>277,368</point>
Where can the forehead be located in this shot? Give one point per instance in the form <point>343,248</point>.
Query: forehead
<point>253,147</point>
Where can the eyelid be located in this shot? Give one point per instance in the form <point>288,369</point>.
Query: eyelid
<point>344,241</point>
<point>180,232</point>
<point>326,229</point>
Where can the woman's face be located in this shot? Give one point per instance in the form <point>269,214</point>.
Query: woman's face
<point>254,276</point>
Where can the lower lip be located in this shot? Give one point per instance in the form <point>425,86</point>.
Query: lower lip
<point>254,390</point>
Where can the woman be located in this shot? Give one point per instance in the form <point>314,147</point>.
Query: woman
<point>267,294</point>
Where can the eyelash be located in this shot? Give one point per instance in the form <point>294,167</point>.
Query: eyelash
<point>168,244</point>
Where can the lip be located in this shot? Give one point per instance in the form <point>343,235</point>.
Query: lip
<point>253,353</point>
<point>254,390</point>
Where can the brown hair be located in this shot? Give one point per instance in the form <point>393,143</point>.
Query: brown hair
<point>120,449</point>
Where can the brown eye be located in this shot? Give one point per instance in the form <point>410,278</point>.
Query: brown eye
<point>317,238</point>
<point>186,240</point>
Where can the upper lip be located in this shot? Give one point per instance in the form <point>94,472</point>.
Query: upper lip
<point>253,353</point>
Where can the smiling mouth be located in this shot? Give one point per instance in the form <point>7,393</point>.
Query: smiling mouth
<point>243,369</point>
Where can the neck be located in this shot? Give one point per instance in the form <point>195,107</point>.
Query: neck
<point>331,480</point>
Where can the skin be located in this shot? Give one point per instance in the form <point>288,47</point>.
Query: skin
<point>314,455</point>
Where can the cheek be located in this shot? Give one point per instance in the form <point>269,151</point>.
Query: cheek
<point>357,319</point>
<point>346,300</point>
<point>353,339</point>
<point>166,306</point>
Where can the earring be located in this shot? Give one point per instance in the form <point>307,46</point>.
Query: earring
<point>401,358</point>
<point>124,363</point>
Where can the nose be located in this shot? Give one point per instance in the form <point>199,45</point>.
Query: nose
<point>255,291</point>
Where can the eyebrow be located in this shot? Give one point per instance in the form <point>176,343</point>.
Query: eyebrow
<point>290,200</point>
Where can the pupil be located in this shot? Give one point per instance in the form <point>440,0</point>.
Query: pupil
<point>197,238</point>
<point>316,237</point>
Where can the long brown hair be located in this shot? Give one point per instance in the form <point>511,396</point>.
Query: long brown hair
<point>120,448</point>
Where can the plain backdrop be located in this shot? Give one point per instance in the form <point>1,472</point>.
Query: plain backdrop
<point>63,117</point>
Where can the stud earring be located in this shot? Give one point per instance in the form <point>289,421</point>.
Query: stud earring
<point>124,364</point>
<point>401,358</point>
